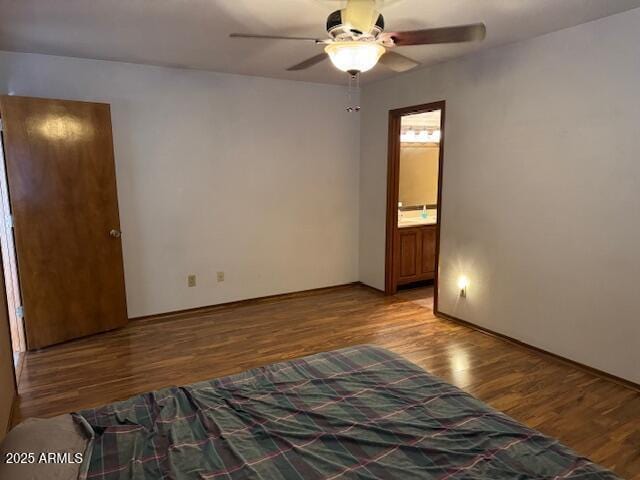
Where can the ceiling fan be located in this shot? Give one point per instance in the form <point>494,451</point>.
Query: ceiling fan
<point>358,40</point>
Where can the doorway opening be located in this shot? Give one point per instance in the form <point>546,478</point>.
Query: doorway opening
<point>414,197</point>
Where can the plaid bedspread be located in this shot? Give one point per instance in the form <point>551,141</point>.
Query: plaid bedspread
<point>360,412</point>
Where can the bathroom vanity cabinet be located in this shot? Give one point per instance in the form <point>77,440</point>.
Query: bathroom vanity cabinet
<point>415,254</point>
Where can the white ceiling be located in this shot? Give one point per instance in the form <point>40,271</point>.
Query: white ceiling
<point>194,33</point>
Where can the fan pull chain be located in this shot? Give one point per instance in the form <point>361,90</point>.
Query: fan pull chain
<point>352,90</point>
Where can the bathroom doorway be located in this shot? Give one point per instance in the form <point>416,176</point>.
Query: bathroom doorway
<point>414,193</point>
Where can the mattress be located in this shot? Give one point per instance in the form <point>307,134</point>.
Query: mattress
<point>360,412</point>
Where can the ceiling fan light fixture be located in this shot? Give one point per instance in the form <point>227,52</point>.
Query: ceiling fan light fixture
<point>354,56</point>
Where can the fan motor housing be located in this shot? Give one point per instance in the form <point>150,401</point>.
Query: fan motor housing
<point>337,29</point>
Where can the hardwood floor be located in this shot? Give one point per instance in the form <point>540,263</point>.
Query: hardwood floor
<point>596,417</point>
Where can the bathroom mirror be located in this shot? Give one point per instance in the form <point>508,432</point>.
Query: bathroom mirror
<point>419,159</point>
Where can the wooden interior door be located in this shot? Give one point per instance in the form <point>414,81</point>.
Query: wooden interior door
<point>62,187</point>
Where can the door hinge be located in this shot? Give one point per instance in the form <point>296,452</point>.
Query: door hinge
<point>10,221</point>
<point>20,311</point>
<point>1,125</point>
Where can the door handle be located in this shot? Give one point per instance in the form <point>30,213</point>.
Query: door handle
<point>115,233</point>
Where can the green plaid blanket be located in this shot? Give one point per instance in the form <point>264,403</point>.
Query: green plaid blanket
<point>360,412</point>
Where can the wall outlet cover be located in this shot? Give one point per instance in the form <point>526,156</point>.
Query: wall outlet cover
<point>191,281</point>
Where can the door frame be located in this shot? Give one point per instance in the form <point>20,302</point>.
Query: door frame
<point>393,185</point>
<point>9,260</point>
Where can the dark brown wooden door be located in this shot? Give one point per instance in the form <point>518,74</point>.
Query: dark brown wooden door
<point>62,187</point>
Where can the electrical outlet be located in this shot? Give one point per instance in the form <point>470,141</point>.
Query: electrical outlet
<point>221,276</point>
<point>191,280</point>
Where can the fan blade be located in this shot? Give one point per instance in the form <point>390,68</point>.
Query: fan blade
<point>309,62</point>
<point>397,62</point>
<point>461,33</point>
<point>274,37</point>
<point>361,15</point>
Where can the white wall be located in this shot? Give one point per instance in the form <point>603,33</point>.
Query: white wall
<point>251,176</point>
<point>541,197</point>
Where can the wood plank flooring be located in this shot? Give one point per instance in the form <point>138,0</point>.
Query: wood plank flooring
<point>596,417</point>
